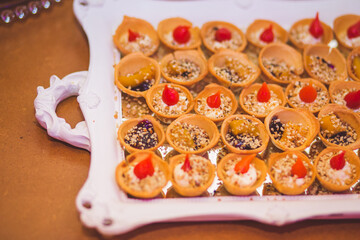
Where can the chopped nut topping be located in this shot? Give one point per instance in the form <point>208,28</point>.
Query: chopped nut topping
<point>252,104</point>
<point>142,44</point>
<point>233,44</point>
<point>234,71</point>
<point>280,69</point>
<point>302,35</point>
<point>142,136</point>
<point>182,70</point>
<point>176,109</point>
<point>214,113</point>
<point>322,69</point>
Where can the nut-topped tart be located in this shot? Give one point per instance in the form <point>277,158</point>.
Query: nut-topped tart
<point>339,126</point>
<point>232,68</point>
<point>263,32</point>
<point>280,63</point>
<point>308,94</point>
<point>143,174</point>
<point>169,101</point>
<point>178,33</point>
<point>215,102</point>
<point>337,168</point>
<point>192,133</point>
<point>347,30</point>
<point>260,99</point>
<point>143,133</point>
<point>184,67</point>
<point>241,174</point>
<point>191,175</point>
<point>244,134</point>
<point>291,172</point>
<point>324,63</point>
<point>218,35</point>
<point>136,35</point>
<point>291,129</point>
<point>310,31</point>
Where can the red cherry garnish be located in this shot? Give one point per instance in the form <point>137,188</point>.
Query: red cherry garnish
<point>214,100</point>
<point>133,36</point>
<point>222,34</point>
<point>181,34</point>
<point>186,166</point>
<point>338,162</point>
<point>243,165</point>
<point>352,100</point>
<point>298,169</point>
<point>316,29</point>
<point>354,30</point>
<point>267,35</point>
<point>170,96</point>
<point>308,94</point>
<point>144,168</point>
<point>263,94</point>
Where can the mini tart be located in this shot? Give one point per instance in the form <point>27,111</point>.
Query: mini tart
<point>130,66</point>
<point>324,64</point>
<point>168,113</point>
<point>148,187</point>
<point>291,129</point>
<point>292,95</point>
<point>236,43</point>
<point>339,126</point>
<point>337,180</point>
<point>339,89</point>
<point>341,26</point>
<point>280,63</point>
<point>127,134</point>
<point>241,183</point>
<point>279,167</point>
<point>192,133</point>
<point>252,137</point>
<point>184,67</point>
<point>195,181</point>
<point>250,104</point>
<point>256,28</point>
<point>227,107</point>
<point>233,69</point>
<point>147,43</point>
<point>165,30</point>
<point>300,36</point>
<point>351,66</point>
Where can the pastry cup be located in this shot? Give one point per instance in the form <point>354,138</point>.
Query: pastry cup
<point>162,116</point>
<point>211,89</point>
<point>255,87</point>
<point>194,56</point>
<point>349,63</point>
<point>132,160</point>
<point>237,190</point>
<point>130,64</point>
<point>350,157</point>
<point>167,26</point>
<point>341,25</point>
<point>136,25</point>
<point>218,60</point>
<point>128,124</point>
<point>231,27</point>
<point>325,39</point>
<point>340,85</point>
<point>331,55</point>
<point>262,134</point>
<point>190,191</point>
<point>346,115</point>
<point>300,116</point>
<point>307,82</point>
<point>196,120</point>
<point>295,190</point>
<point>283,53</point>
<point>255,29</point>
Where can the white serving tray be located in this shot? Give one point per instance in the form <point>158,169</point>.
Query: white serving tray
<point>100,202</point>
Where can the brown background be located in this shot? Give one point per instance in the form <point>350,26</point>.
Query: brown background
<point>40,177</point>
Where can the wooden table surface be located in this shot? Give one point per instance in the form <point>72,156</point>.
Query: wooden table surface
<point>40,177</point>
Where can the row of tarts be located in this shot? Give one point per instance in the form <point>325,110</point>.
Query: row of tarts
<point>292,130</point>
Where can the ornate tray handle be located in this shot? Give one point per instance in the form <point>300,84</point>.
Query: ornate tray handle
<point>47,101</point>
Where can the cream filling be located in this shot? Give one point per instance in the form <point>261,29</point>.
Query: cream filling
<point>341,175</point>
<point>243,179</point>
